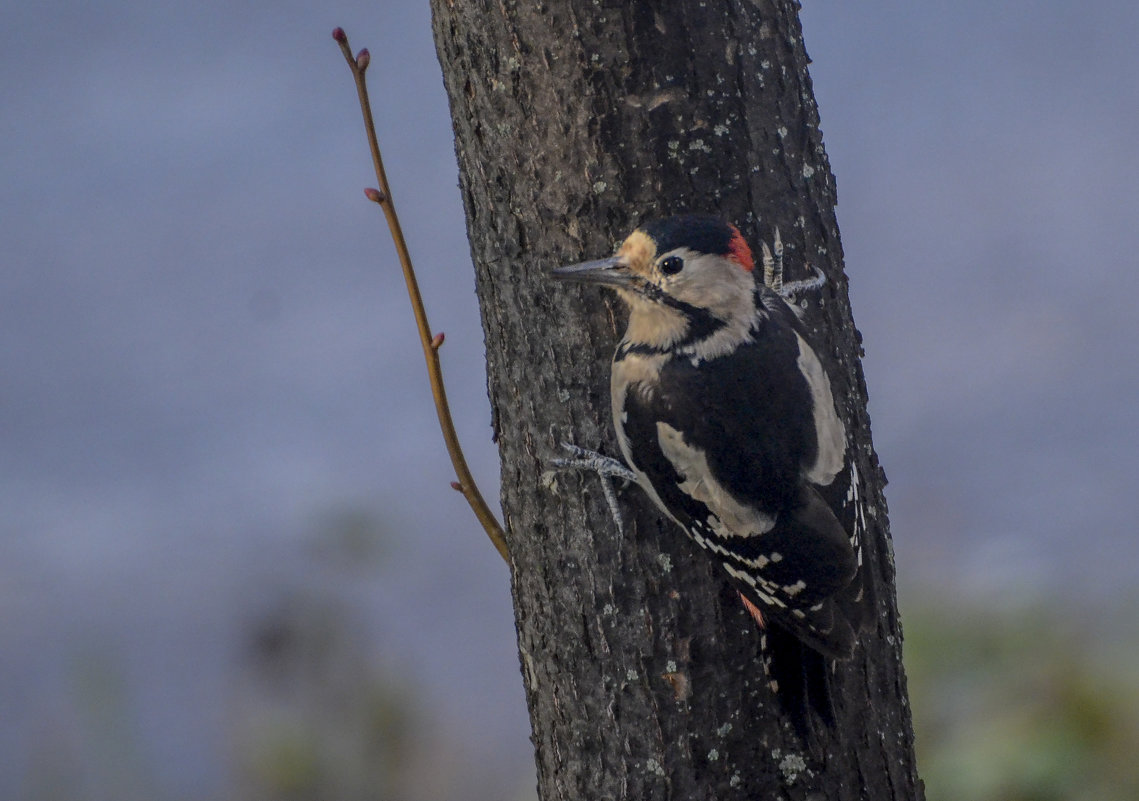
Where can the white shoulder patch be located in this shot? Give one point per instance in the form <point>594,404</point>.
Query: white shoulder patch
<point>831,432</point>
<point>730,518</point>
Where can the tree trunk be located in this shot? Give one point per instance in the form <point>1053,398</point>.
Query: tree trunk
<point>574,121</point>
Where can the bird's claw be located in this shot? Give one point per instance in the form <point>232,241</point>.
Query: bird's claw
<point>606,468</point>
<point>773,272</point>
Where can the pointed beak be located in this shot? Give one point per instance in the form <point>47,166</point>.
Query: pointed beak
<point>612,271</point>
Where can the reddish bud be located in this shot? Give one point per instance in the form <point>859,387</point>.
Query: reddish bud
<point>437,340</point>
<point>363,59</point>
<point>374,195</point>
<point>456,486</point>
<point>339,35</point>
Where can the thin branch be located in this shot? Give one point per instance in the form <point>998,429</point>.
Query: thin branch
<point>431,343</point>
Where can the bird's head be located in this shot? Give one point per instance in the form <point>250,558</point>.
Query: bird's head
<point>684,278</point>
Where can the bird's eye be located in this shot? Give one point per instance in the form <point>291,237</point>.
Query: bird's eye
<point>672,265</point>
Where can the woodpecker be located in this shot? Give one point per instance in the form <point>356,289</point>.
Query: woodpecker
<point>726,419</point>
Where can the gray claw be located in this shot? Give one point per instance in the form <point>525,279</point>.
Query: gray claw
<point>773,272</point>
<point>606,468</point>
<point>806,285</point>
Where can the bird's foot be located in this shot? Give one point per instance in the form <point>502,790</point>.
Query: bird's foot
<point>773,272</point>
<point>606,468</point>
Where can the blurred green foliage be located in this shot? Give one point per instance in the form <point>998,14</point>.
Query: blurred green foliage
<point>318,720</point>
<point>1010,703</point>
<point>1027,705</point>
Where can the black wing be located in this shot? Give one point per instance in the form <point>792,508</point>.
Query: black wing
<point>724,443</point>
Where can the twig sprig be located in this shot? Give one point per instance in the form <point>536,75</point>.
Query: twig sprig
<point>431,343</point>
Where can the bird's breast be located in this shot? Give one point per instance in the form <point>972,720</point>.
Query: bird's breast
<point>637,372</point>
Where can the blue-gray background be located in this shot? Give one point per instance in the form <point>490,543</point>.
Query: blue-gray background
<point>206,353</point>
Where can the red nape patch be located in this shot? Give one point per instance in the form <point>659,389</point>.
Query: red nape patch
<point>752,609</point>
<point>741,253</point>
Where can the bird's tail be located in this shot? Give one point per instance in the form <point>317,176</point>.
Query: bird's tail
<point>800,678</point>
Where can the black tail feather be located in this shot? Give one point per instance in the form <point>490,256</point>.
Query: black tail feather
<point>801,679</point>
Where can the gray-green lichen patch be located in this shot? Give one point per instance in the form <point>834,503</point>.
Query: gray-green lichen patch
<point>791,765</point>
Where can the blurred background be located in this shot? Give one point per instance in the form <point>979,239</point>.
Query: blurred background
<point>230,563</point>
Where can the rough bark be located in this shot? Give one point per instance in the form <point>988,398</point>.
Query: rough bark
<point>574,121</point>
